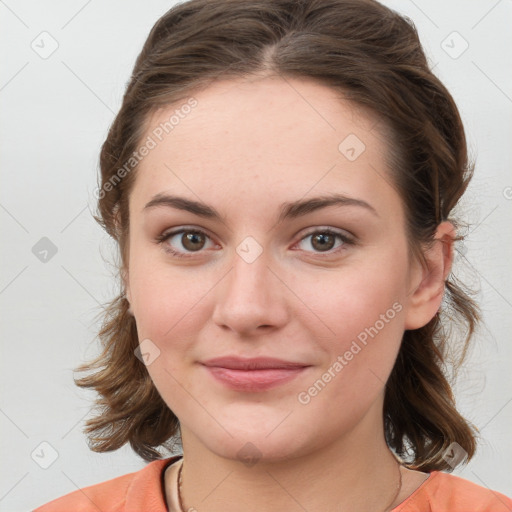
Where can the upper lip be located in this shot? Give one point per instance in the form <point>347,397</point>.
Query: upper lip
<point>254,363</point>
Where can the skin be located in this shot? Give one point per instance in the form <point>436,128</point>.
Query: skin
<point>246,148</point>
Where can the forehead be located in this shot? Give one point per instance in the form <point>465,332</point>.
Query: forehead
<point>249,111</point>
<point>271,136</point>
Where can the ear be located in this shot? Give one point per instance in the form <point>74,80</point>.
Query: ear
<point>428,282</point>
<point>125,277</point>
<point>126,285</point>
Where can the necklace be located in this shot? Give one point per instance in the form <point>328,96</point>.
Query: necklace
<point>398,488</point>
<point>180,502</point>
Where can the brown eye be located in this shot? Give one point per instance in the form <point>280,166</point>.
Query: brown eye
<point>323,241</point>
<point>193,240</point>
<point>185,242</point>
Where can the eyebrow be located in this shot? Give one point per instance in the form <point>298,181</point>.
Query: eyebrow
<point>289,210</point>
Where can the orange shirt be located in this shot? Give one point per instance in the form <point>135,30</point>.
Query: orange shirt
<point>142,491</point>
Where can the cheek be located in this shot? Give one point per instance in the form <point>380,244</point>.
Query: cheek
<point>358,360</point>
<point>356,298</point>
<point>168,307</point>
<point>166,300</point>
<point>364,309</point>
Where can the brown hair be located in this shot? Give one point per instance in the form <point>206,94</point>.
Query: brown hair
<point>373,57</point>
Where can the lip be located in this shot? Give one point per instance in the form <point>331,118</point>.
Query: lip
<point>253,374</point>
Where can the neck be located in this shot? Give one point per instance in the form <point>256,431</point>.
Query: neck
<point>356,472</point>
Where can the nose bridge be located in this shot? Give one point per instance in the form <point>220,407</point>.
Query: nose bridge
<point>250,296</point>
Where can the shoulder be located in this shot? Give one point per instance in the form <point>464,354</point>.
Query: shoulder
<point>126,493</point>
<point>444,492</point>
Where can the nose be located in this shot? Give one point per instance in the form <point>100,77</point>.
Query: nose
<point>250,299</point>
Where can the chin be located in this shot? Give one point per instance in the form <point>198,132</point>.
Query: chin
<point>252,440</point>
<point>256,449</point>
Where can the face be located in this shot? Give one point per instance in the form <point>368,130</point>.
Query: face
<point>303,300</point>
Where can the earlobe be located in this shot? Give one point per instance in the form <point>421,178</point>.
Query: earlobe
<point>427,292</point>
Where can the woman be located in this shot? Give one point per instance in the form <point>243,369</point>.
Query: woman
<point>280,180</point>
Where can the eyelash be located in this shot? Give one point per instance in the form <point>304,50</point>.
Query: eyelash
<point>161,239</point>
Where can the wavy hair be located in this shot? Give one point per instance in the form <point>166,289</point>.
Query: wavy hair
<point>373,57</point>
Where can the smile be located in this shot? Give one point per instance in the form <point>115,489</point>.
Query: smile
<point>253,375</point>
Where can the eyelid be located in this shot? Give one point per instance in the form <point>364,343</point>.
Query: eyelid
<point>328,229</point>
<point>181,229</point>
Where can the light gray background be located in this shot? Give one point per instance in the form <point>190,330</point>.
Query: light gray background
<point>55,115</point>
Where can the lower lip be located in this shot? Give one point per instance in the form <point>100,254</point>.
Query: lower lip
<point>254,380</point>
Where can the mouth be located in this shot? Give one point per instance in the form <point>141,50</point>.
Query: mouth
<point>255,374</point>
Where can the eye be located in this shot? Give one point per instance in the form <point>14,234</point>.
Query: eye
<point>324,240</point>
<point>184,241</point>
